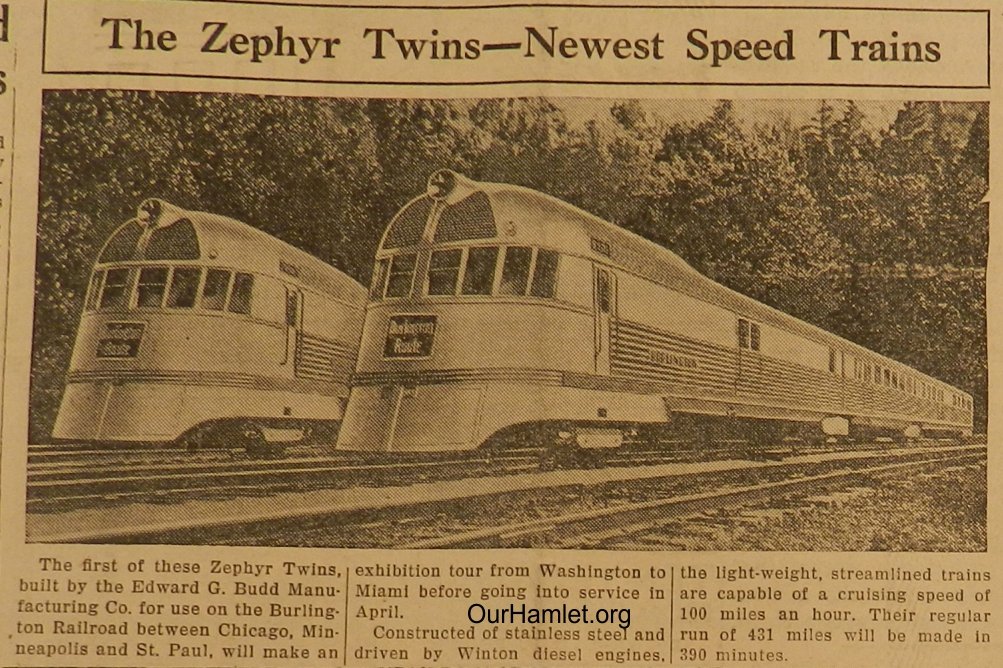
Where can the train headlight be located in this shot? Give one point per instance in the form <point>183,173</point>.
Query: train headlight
<point>149,211</point>
<point>441,183</point>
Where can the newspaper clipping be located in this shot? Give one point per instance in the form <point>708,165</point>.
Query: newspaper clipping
<point>517,334</point>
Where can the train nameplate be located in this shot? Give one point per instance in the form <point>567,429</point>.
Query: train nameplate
<point>410,336</point>
<point>663,358</point>
<point>121,339</point>
<point>602,247</point>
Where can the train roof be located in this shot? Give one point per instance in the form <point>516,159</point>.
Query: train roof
<point>162,232</point>
<point>525,216</point>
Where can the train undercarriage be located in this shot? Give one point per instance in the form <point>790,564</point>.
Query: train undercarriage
<point>592,443</point>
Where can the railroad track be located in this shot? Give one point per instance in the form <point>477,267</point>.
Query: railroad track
<point>592,528</point>
<point>541,509</point>
<point>81,483</point>
<point>82,475</point>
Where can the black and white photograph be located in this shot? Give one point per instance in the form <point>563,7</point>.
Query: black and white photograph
<point>543,322</point>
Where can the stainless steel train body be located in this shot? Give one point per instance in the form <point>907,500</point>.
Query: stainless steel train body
<point>199,325</point>
<point>493,305</point>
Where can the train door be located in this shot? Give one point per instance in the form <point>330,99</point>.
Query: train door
<point>741,357</point>
<point>293,326</point>
<point>604,305</point>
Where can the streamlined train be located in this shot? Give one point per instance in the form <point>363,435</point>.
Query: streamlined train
<point>202,330</point>
<point>494,308</point>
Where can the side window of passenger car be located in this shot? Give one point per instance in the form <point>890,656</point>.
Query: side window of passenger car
<point>743,333</point>
<point>240,298</point>
<point>515,270</point>
<point>545,274</point>
<point>217,281</point>
<point>479,276</point>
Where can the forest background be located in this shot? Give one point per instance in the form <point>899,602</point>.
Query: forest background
<point>878,233</point>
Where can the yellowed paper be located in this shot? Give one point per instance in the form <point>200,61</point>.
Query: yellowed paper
<point>497,334</point>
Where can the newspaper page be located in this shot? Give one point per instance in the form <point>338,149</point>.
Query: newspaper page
<point>499,334</point>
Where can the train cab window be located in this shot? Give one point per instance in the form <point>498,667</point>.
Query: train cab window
<point>470,218</point>
<point>214,291</point>
<point>379,278</point>
<point>401,275</point>
<point>115,290</point>
<point>240,297</point>
<point>895,380</point>
<point>151,287</point>
<point>178,241</point>
<point>93,289</point>
<point>444,271</point>
<point>479,277</point>
<point>515,270</point>
<point>408,225</point>
<point>748,335</point>
<point>545,274</point>
<point>887,376</point>
<point>832,360</point>
<point>184,287</point>
<point>122,245</point>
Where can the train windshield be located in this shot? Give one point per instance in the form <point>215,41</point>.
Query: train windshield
<point>444,271</point>
<point>177,241</point>
<point>480,274</point>
<point>401,275</point>
<point>379,278</point>
<point>524,271</point>
<point>122,245</point>
<point>151,287</point>
<point>407,226</point>
<point>172,288</point>
<point>115,291</point>
<point>184,287</point>
<point>94,289</point>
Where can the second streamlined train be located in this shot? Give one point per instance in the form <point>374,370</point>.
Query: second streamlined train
<point>202,330</point>
<point>494,308</point>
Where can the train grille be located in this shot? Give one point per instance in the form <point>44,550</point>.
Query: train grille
<point>322,359</point>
